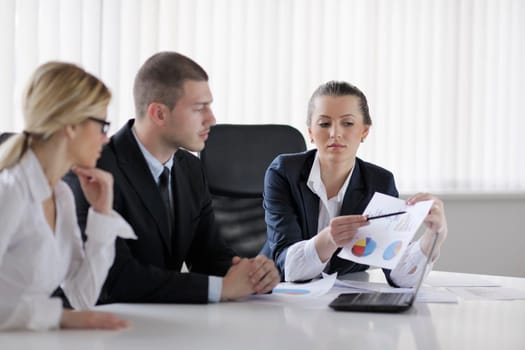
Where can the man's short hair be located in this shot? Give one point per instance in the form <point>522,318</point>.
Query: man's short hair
<point>161,79</point>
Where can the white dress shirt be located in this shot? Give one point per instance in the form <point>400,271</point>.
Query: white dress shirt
<point>34,260</point>
<point>302,261</point>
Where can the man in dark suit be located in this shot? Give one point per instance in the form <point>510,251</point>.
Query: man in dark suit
<point>161,190</point>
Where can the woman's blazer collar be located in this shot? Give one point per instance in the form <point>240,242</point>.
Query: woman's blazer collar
<point>354,195</point>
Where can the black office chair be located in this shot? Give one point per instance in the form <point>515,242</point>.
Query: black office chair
<point>5,135</point>
<point>235,159</point>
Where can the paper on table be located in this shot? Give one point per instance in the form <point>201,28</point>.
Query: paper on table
<point>384,241</point>
<point>436,295</point>
<point>310,289</point>
<point>490,293</point>
<point>449,279</point>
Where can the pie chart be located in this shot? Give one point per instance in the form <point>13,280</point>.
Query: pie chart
<point>392,250</point>
<point>291,291</point>
<point>364,247</point>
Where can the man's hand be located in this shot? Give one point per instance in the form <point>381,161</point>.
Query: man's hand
<point>236,284</point>
<point>263,275</point>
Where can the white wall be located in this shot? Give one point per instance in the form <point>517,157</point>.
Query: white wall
<point>486,234</point>
<point>438,75</point>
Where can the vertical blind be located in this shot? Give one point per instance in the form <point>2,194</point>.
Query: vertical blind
<point>444,78</point>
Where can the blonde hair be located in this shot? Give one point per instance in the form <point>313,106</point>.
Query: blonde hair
<point>58,94</point>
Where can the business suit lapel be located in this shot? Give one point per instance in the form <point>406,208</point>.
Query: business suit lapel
<point>134,167</point>
<point>310,200</point>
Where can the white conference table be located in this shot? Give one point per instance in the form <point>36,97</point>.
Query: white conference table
<point>260,323</point>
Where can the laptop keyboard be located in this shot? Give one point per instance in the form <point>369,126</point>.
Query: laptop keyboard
<point>383,298</point>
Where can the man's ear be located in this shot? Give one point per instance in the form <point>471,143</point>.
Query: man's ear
<point>157,113</point>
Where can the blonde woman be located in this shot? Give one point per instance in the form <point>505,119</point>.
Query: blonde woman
<point>40,243</point>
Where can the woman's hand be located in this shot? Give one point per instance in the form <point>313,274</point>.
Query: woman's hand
<point>97,186</point>
<point>91,320</point>
<point>435,221</point>
<point>340,231</point>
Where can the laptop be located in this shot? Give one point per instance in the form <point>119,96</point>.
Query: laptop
<point>380,301</point>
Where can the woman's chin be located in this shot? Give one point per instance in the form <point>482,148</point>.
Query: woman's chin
<point>86,164</point>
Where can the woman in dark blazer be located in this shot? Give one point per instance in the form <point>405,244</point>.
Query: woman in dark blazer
<point>314,200</point>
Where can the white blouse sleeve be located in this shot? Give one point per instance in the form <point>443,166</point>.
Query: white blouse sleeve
<point>89,266</point>
<point>36,312</point>
<point>302,261</point>
<point>407,271</point>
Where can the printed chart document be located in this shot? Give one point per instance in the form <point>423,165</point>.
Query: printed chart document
<point>308,295</point>
<point>310,289</point>
<point>384,241</point>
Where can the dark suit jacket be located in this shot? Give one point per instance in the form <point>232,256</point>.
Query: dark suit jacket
<point>147,269</point>
<point>292,209</point>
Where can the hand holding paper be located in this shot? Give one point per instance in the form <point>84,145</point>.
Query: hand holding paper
<point>384,241</point>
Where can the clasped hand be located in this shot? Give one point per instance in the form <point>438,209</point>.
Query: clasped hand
<point>249,276</point>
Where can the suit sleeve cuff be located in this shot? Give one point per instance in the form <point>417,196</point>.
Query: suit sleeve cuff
<point>105,228</point>
<point>302,261</point>
<point>45,314</point>
<point>214,289</point>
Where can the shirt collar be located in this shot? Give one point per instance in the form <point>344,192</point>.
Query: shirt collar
<point>155,166</point>
<point>316,185</point>
<point>37,181</point>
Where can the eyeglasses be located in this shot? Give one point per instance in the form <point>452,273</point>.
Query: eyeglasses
<point>104,124</point>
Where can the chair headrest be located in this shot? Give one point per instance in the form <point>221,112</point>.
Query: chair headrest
<point>236,156</point>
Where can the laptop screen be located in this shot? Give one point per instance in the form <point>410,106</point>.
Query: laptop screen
<point>427,263</point>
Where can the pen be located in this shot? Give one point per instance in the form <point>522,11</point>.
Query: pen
<point>385,215</point>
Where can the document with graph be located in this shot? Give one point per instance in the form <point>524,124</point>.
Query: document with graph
<point>384,241</point>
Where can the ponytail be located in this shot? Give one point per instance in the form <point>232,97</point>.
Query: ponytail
<point>13,149</point>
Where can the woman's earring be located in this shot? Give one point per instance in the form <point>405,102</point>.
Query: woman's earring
<point>362,139</point>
